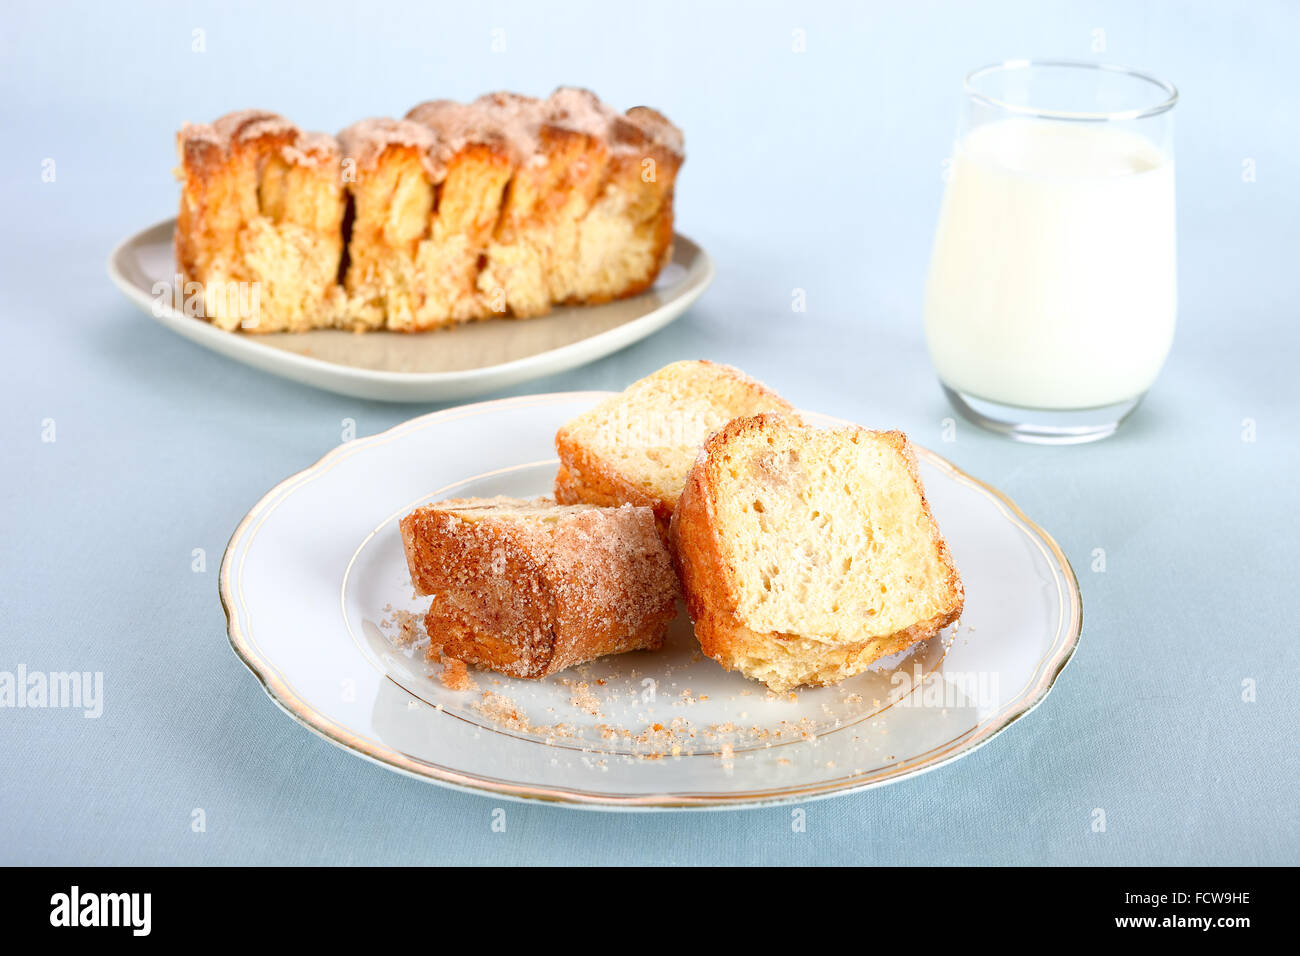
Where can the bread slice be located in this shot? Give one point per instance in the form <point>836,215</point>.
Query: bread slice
<point>531,259</point>
<point>475,157</point>
<point>259,234</point>
<point>425,196</point>
<point>626,236</point>
<point>806,554</point>
<point>390,183</point>
<point>529,587</point>
<point>637,447</point>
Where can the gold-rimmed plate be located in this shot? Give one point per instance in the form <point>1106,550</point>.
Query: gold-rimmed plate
<point>442,365</point>
<point>319,606</point>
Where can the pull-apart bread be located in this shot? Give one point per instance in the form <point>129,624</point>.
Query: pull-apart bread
<point>260,228</point>
<point>422,214</point>
<point>529,587</point>
<point>638,446</point>
<point>806,554</point>
<point>504,206</point>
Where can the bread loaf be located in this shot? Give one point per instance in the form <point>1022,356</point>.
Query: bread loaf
<point>505,206</point>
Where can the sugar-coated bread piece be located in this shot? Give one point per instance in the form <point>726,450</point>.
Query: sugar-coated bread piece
<point>423,207</point>
<point>626,237</point>
<point>806,554</point>
<point>475,157</point>
<point>638,446</point>
<point>529,587</point>
<point>260,228</point>
<point>586,217</point>
<point>532,258</point>
<point>390,183</point>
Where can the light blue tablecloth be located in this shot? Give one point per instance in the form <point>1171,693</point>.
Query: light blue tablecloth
<point>817,171</point>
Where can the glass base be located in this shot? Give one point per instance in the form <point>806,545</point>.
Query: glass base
<point>1042,426</point>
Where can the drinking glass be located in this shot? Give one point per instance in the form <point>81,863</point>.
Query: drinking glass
<point>1051,294</point>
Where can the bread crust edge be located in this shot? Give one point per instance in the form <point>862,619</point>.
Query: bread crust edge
<point>462,636</point>
<point>705,575</point>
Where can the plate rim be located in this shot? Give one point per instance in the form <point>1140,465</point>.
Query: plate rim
<point>310,370</point>
<point>303,713</point>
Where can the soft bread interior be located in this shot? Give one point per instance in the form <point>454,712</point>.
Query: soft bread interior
<point>542,510</point>
<point>262,236</point>
<point>651,433</point>
<point>828,533</point>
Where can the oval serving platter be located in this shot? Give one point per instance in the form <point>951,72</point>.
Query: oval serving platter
<point>459,362</point>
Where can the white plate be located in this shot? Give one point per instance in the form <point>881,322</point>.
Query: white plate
<point>315,571</point>
<point>460,362</point>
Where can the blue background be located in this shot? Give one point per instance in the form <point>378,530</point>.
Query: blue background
<point>818,171</point>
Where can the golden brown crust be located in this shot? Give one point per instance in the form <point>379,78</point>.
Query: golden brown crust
<point>585,476</point>
<point>953,581</point>
<point>259,232</point>
<point>423,214</point>
<point>457,635</point>
<point>530,203</point>
<point>531,258</point>
<point>646,156</point>
<point>473,160</point>
<point>528,598</point>
<point>709,580</point>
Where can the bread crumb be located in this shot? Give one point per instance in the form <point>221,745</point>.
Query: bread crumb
<point>582,698</point>
<point>455,675</point>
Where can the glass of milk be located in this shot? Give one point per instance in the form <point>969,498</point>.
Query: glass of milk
<point>1051,295</point>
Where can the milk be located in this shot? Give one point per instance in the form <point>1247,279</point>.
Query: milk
<point>1052,281</point>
